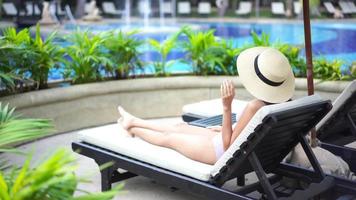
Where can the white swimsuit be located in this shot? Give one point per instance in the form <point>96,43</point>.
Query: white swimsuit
<point>218,145</point>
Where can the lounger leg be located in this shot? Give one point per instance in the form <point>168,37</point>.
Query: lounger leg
<point>256,165</point>
<point>351,124</point>
<point>106,182</point>
<point>312,159</point>
<point>241,180</point>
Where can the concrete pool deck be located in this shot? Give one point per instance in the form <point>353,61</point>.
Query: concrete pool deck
<point>136,188</point>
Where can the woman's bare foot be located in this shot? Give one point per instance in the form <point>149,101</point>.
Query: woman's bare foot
<point>122,129</point>
<point>126,119</point>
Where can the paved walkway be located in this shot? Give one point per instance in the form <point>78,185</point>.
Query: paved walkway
<point>136,188</point>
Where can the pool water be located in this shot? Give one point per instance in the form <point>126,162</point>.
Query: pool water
<point>330,40</point>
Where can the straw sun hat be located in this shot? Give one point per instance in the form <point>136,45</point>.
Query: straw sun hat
<point>266,74</point>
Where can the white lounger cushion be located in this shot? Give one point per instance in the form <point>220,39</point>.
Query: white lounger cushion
<point>112,137</point>
<point>346,94</point>
<point>213,107</point>
<point>255,121</point>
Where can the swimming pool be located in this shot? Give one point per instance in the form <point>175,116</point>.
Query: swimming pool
<point>330,40</point>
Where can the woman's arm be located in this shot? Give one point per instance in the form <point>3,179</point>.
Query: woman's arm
<point>227,91</point>
<point>249,111</point>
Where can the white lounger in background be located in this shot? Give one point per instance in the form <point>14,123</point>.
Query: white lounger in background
<point>204,8</point>
<point>329,7</point>
<point>297,7</point>
<point>109,8</point>
<point>210,108</point>
<point>245,8</point>
<point>277,8</point>
<point>29,8</point>
<point>184,8</point>
<point>9,8</point>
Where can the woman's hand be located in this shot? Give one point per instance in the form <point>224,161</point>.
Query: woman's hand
<point>227,91</point>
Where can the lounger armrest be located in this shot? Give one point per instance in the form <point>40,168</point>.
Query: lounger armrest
<point>313,189</point>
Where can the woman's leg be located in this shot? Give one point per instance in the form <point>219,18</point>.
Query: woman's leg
<point>195,147</point>
<point>129,121</point>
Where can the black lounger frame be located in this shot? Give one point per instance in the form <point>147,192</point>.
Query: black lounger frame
<point>287,127</point>
<point>342,120</point>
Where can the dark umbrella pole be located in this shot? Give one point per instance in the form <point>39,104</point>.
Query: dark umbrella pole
<point>309,58</point>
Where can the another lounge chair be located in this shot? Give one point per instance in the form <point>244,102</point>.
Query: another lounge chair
<point>9,8</point>
<point>184,8</point>
<point>204,8</point>
<point>278,8</point>
<point>167,7</point>
<point>329,7</point>
<point>345,8</point>
<point>297,7</point>
<point>33,9</point>
<point>245,8</point>
<point>352,6</point>
<point>209,108</point>
<point>256,149</point>
<point>144,8</point>
<point>109,8</point>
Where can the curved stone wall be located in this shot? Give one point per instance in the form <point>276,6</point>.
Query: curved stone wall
<point>87,105</point>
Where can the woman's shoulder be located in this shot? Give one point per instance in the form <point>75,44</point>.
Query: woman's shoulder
<point>255,104</point>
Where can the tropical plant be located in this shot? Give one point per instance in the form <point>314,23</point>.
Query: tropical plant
<point>353,69</point>
<point>88,58</point>
<point>328,70</point>
<point>14,58</point>
<point>203,49</point>
<point>14,129</point>
<point>123,51</point>
<point>163,48</point>
<point>52,179</point>
<point>229,57</point>
<point>46,55</point>
<point>262,40</point>
<point>292,53</point>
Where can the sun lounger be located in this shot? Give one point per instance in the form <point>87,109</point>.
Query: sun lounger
<point>278,8</point>
<point>204,8</point>
<point>329,7</point>
<point>109,8</point>
<point>167,7</point>
<point>245,8</point>
<point>297,7</point>
<point>209,108</point>
<point>352,6</point>
<point>345,8</point>
<point>184,8</point>
<point>144,7</point>
<point>340,121</point>
<point>267,139</point>
<point>9,8</point>
<point>32,9</point>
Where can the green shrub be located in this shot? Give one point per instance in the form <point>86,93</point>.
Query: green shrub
<point>30,57</point>
<point>52,179</point>
<point>14,129</point>
<point>353,69</point>
<point>123,52</point>
<point>88,58</point>
<point>47,55</point>
<point>163,48</point>
<point>262,40</point>
<point>292,53</point>
<point>14,57</point>
<point>327,70</point>
<point>204,51</point>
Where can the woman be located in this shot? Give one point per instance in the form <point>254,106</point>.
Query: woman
<point>265,73</point>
